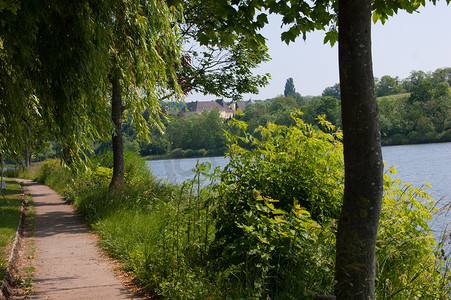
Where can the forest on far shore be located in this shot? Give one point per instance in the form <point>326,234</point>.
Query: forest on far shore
<point>413,110</point>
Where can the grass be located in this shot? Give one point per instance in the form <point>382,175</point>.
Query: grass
<point>396,96</point>
<point>28,271</point>
<point>10,210</point>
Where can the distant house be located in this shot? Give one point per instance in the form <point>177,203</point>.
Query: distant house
<point>225,111</point>
<point>235,106</point>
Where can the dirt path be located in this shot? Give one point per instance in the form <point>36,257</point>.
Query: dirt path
<point>67,263</point>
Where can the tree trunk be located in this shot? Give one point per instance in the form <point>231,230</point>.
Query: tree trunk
<point>357,228</point>
<point>117,181</point>
<point>26,155</point>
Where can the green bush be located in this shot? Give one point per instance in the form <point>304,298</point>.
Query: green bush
<point>190,153</point>
<point>409,264</point>
<point>202,152</point>
<point>177,153</point>
<point>135,167</point>
<point>217,152</point>
<point>276,211</point>
<point>446,136</point>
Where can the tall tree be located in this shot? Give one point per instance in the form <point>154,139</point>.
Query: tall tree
<point>145,52</point>
<point>214,62</point>
<point>121,50</point>
<point>387,85</point>
<point>332,91</point>
<point>355,266</point>
<point>289,88</point>
<point>441,75</point>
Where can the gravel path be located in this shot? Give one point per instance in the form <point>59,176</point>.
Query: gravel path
<point>68,264</point>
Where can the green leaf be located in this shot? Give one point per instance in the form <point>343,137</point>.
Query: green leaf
<point>331,37</point>
<point>262,19</point>
<point>288,37</point>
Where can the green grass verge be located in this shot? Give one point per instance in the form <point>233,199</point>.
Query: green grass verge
<point>10,206</point>
<point>396,96</point>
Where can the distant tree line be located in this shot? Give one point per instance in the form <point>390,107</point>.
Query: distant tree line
<point>183,136</point>
<point>416,109</point>
<point>413,110</point>
<point>387,85</point>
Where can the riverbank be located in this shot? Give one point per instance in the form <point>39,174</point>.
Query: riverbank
<point>186,153</point>
<point>171,156</point>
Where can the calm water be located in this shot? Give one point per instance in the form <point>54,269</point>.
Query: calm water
<point>430,163</point>
<point>179,170</point>
<point>415,164</point>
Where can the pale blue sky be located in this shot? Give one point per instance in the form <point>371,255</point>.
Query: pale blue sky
<point>406,42</point>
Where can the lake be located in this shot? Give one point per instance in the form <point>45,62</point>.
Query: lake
<point>179,170</point>
<point>415,164</point>
<point>430,163</point>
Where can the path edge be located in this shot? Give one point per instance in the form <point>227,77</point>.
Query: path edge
<point>5,286</point>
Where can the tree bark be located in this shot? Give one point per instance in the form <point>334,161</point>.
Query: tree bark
<point>357,228</point>
<point>26,155</point>
<point>117,181</point>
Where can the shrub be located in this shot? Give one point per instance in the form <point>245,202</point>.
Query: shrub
<point>446,136</point>
<point>177,153</point>
<point>409,264</point>
<point>202,152</point>
<point>190,153</point>
<point>274,220</point>
<point>135,167</point>
<point>397,139</point>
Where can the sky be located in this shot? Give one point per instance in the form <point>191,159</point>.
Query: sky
<point>406,42</point>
